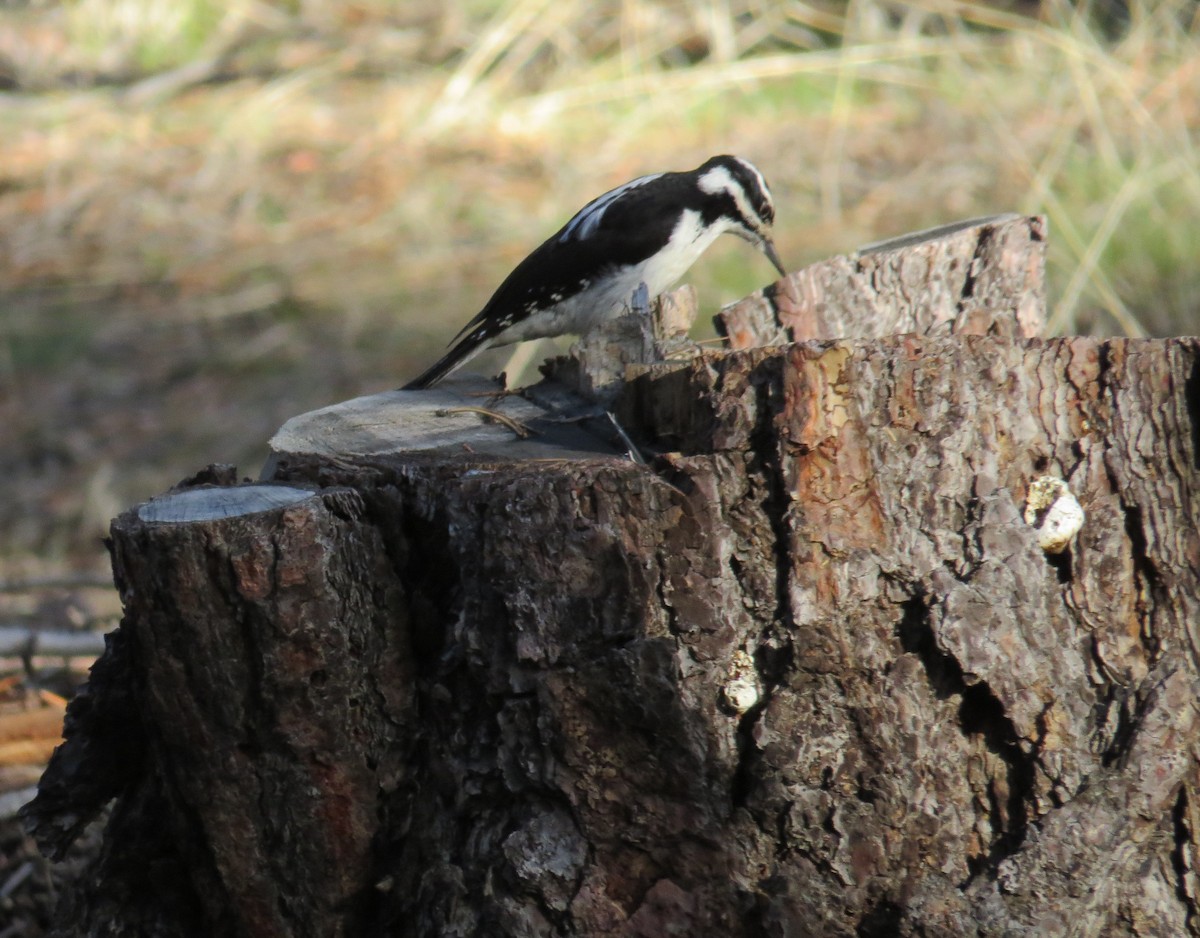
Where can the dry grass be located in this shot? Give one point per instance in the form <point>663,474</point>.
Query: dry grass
<point>318,220</point>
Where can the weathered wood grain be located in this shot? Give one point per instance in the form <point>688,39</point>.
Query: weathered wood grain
<point>211,502</point>
<point>470,416</point>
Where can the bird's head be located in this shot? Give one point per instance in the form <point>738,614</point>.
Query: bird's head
<point>744,199</point>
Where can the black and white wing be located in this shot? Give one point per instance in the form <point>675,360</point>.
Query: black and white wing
<point>619,228</point>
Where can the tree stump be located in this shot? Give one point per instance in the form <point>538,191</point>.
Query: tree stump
<point>837,660</point>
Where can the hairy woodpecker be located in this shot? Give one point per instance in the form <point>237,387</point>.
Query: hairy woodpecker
<point>650,230</point>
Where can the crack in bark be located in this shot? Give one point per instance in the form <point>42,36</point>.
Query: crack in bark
<point>418,550</point>
<point>1062,565</point>
<point>1130,717</point>
<point>980,713</point>
<point>1146,577</point>
<point>1179,859</point>
<point>770,660</point>
<point>742,783</point>
<point>968,287</point>
<point>765,448</point>
<point>1191,401</point>
<point>770,294</point>
<point>1123,733</point>
<point>882,920</point>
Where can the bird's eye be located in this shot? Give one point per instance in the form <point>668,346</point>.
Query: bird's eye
<point>766,212</point>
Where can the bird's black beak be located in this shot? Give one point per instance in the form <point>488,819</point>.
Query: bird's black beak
<point>763,243</point>
<point>768,248</point>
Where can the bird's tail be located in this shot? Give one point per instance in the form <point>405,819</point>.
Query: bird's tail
<point>463,351</point>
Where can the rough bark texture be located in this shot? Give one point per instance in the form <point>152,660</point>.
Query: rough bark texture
<point>979,277</point>
<point>808,673</point>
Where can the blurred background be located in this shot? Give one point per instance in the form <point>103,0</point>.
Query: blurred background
<point>217,215</point>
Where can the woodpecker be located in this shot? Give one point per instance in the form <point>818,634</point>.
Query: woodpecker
<point>650,230</point>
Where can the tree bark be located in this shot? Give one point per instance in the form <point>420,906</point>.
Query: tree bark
<point>809,672</point>
<point>980,277</point>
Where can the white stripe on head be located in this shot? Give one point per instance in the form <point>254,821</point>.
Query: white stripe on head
<point>758,177</point>
<point>588,218</point>
<point>720,179</point>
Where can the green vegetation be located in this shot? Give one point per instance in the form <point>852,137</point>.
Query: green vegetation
<point>376,168</point>
<point>137,36</point>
